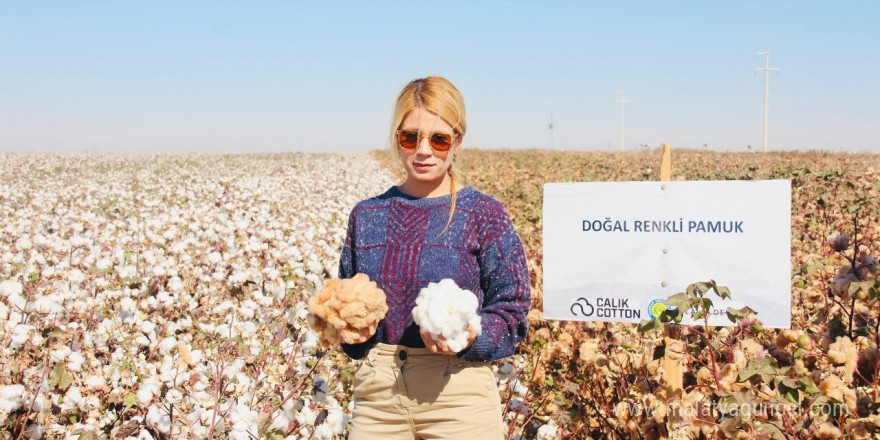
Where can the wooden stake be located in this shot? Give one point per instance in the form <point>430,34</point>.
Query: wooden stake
<point>665,163</point>
<point>673,362</point>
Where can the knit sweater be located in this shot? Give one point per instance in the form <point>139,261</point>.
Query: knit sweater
<point>396,240</point>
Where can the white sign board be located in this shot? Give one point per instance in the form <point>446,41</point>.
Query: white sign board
<point>614,251</point>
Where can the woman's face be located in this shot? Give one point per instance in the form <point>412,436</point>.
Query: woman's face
<point>423,164</point>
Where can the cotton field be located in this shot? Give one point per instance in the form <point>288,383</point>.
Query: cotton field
<point>163,296</point>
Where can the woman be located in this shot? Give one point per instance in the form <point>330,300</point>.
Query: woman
<point>429,228</point>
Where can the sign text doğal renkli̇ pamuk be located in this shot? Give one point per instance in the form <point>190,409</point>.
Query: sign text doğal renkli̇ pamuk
<point>694,226</point>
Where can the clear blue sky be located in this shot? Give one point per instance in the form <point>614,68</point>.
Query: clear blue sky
<point>298,76</point>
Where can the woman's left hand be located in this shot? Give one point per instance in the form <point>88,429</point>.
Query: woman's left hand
<point>440,345</point>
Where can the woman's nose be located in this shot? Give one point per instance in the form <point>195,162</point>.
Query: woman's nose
<point>424,146</point>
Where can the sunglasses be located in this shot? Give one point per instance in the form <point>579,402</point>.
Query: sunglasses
<point>409,139</point>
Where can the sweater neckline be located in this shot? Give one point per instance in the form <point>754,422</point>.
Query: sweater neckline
<point>425,201</point>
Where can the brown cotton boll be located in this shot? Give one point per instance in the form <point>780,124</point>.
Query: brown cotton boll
<point>565,338</point>
<point>535,317</point>
<point>753,348</point>
<point>587,351</point>
<point>813,296</point>
<point>347,310</point>
<point>727,377</point>
<point>833,387</point>
<point>675,349</point>
<point>543,333</point>
<point>827,431</point>
<point>704,375</point>
<point>739,359</point>
<point>785,337</point>
<point>632,426</point>
<point>540,375</point>
<point>858,430</point>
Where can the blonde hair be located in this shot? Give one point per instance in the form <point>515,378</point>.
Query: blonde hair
<point>439,96</point>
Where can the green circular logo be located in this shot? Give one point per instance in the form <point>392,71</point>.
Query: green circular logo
<point>656,307</point>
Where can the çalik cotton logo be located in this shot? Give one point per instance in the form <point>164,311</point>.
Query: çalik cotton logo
<point>584,305</point>
<point>605,308</point>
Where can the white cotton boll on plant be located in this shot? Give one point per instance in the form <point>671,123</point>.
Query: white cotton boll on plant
<point>75,361</point>
<point>445,309</point>
<point>336,420</point>
<point>547,432</point>
<point>20,335</point>
<point>160,419</point>
<point>324,432</point>
<point>167,345</point>
<point>10,398</point>
<point>10,287</point>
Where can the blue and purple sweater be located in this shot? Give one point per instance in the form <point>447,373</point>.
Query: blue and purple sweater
<point>395,239</point>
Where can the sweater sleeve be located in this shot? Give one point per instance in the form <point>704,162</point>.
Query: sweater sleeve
<point>504,278</point>
<point>347,269</point>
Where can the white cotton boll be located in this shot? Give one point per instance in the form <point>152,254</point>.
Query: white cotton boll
<point>336,420</point>
<point>16,302</point>
<point>517,387</point>
<point>95,381</point>
<point>20,334</point>
<point>44,305</point>
<point>9,287</point>
<point>144,435</point>
<point>167,345</point>
<point>148,390</point>
<point>281,420</point>
<point>74,395</point>
<point>195,357</point>
<point>445,309</point>
<point>547,432</point>
<point>24,244</point>
<point>175,285</point>
<point>160,419</point>
<point>306,417</point>
<point>75,361</point>
<point>10,398</point>
<point>244,422</point>
<point>309,341</point>
<point>324,432</point>
<point>128,272</point>
<point>103,264</point>
<point>60,353</point>
<point>76,276</point>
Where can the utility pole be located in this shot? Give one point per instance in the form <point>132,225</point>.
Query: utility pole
<point>551,131</point>
<point>622,103</point>
<point>766,70</point>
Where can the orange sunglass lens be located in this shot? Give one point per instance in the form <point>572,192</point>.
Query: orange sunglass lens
<point>408,139</point>
<point>440,141</point>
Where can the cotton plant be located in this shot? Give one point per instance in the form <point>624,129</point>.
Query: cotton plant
<point>444,309</point>
<point>140,295</point>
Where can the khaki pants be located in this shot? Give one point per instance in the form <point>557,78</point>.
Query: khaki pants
<point>411,393</point>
